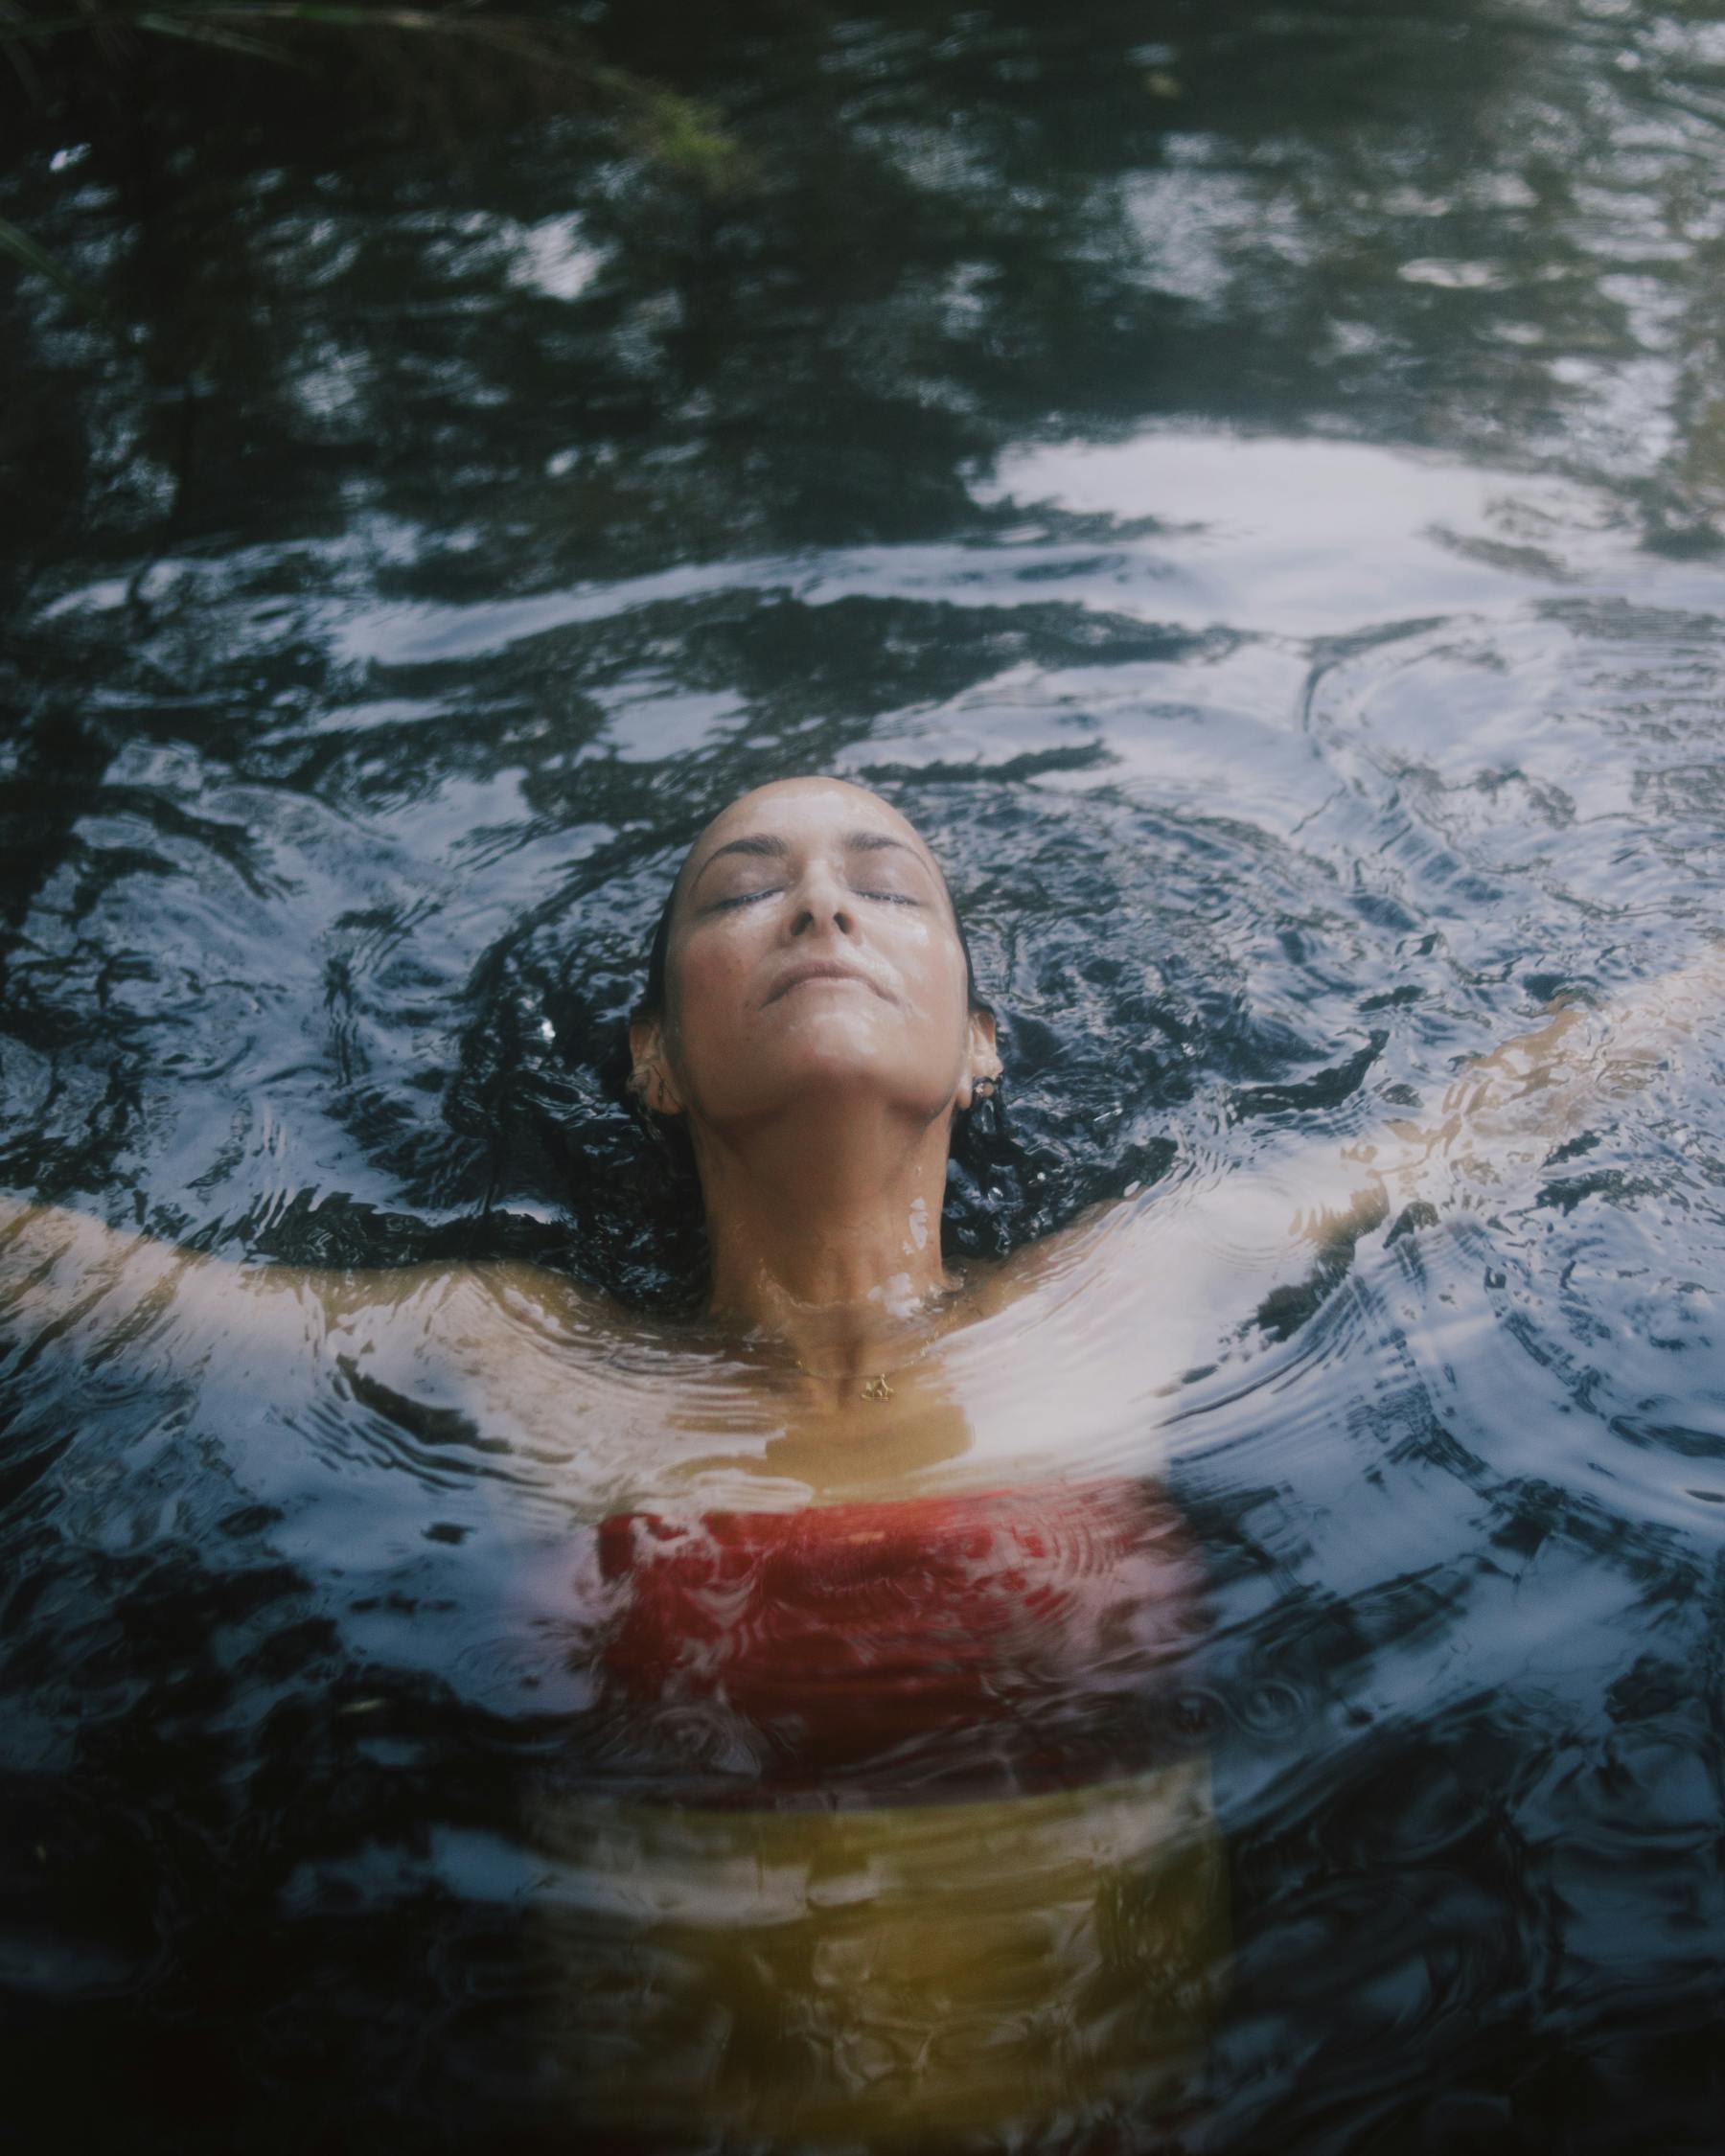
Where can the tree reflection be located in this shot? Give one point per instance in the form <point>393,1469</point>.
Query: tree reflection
<point>553,362</point>
<point>381,366</point>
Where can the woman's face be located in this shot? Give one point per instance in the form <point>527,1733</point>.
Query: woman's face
<point>812,945</point>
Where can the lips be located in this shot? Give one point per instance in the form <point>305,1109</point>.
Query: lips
<point>822,969</point>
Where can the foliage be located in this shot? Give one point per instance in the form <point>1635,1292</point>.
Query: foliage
<point>22,249</point>
<point>429,67</point>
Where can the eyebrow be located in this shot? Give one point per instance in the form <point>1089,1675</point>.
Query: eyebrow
<point>767,845</point>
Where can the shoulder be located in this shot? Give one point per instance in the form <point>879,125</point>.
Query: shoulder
<point>1112,1313</point>
<point>1092,1249</point>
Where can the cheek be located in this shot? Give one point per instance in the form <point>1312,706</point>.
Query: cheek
<point>710,1003</point>
<point>934,976</point>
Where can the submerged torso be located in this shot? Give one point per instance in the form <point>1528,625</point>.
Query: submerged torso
<point>879,1651</point>
<point>885,1818</point>
<point>1058,1365</point>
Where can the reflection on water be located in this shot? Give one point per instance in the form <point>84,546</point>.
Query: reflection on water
<point>1249,485</point>
<point>863,1963</point>
<point>1035,1967</point>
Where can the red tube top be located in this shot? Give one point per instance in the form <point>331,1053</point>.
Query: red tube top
<point>1017,1637</point>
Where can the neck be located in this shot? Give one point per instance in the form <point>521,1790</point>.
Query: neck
<point>824,1231</point>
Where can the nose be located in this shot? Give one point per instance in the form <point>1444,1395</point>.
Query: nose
<point>823,901</point>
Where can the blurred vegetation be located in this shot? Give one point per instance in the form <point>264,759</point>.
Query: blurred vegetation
<point>417,68</point>
<point>588,287</point>
<point>434,72</point>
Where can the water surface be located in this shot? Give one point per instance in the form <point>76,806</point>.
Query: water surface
<point>1249,484</point>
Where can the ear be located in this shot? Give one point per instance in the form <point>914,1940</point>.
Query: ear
<point>651,1076</point>
<point>984,1061</point>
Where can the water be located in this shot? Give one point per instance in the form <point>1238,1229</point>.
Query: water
<point>1249,485</point>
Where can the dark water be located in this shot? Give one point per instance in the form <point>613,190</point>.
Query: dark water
<point>1249,484</point>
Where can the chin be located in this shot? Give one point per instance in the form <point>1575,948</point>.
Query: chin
<point>828,1074</point>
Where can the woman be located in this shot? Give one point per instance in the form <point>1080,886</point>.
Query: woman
<point>886,1824</point>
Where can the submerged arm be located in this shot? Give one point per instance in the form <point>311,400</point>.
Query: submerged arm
<point>58,1265</point>
<point>1262,1243</point>
<point>65,1275</point>
<point>1501,1115</point>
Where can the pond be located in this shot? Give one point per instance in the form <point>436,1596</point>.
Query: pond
<point>1247,483</point>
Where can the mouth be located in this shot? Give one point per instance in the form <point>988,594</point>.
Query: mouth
<point>818,970</point>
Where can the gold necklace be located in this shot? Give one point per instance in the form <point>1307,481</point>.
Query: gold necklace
<point>877,1388</point>
<point>871,1389</point>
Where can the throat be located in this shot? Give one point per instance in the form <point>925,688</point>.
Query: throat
<point>841,1269</point>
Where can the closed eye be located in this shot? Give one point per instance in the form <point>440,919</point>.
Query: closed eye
<point>742,898</point>
<point>770,890</point>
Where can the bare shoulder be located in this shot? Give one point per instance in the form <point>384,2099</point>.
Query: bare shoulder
<point>1046,1265</point>
<point>1134,1294</point>
<point>1115,1305</point>
<point>1198,1222</point>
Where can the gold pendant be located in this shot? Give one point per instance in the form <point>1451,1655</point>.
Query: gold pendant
<point>877,1389</point>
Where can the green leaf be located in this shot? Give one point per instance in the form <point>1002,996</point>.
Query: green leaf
<point>24,249</point>
<point>182,24</point>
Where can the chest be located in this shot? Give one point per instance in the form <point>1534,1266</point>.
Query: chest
<point>1031,1631</point>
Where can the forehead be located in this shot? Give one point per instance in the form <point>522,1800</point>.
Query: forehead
<point>809,811</point>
